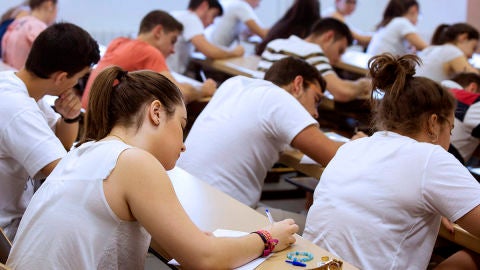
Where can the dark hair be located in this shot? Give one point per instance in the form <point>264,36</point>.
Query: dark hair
<point>62,47</point>
<point>159,17</point>
<point>284,71</point>
<point>34,4</point>
<point>408,101</point>
<point>340,29</point>
<point>297,20</point>
<point>118,97</point>
<point>466,78</point>
<point>194,4</point>
<point>448,33</point>
<point>396,8</point>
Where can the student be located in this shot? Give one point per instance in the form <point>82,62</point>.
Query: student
<point>10,15</point>
<point>238,17</point>
<point>466,133</point>
<point>238,136</point>
<point>199,15</point>
<point>18,39</point>
<point>345,8</point>
<point>324,46</point>
<point>32,136</point>
<point>403,180</point>
<point>297,21</point>
<point>396,33</point>
<point>448,55</point>
<point>116,194</point>
<point>155,41</point>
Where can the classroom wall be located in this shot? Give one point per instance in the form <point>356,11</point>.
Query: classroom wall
<point>107,19</point>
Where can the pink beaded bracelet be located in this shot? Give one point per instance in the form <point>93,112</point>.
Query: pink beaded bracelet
<point>269,242</point>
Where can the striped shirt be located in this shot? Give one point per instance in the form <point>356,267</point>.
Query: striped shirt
<point>295,47</point>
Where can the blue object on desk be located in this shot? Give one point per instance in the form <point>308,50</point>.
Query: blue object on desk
<point>297,263</point>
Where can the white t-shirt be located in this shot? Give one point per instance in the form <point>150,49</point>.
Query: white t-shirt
<point>27,144</point>
<point>238,136</point>
<point>294,46</point>
<point>69,223</point>
<point>433,60</point>
<point>466,132</point>
<point>380,199</point>
<point>231,24</point>
<point>391,38</point>
<point>192,26</point>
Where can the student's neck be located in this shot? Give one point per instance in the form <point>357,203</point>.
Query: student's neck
<point>35,86</point>
<point>40,14</point>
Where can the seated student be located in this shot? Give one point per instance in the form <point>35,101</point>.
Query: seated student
<point>297,21</point>
<point>199,15</point>
<point>403,180</point>
<point>238,17</point>
<point>32,136</point>
<point>448,55</point>
<point>156,38</point>
<point>17,40</point>
<point>324,46</point>
<point>239,135</point>
<point>345,8</point>
<point>466,133</point>
<point>116,194</point>
<point>396,33</point>
<point>10,15</point>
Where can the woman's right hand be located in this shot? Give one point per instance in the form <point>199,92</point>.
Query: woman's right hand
<point>283,231</point>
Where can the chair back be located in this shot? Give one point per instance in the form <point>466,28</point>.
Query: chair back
<point>5,246</point>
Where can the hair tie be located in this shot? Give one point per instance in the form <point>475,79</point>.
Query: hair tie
<point>121,75</point>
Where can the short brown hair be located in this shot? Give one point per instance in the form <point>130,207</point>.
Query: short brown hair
<point>159,17</point>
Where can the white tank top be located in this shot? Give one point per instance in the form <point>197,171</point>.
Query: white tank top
<point>69,224</point>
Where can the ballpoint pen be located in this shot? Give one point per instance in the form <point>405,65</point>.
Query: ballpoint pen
<point>270,218</point>
<point>202,75</point>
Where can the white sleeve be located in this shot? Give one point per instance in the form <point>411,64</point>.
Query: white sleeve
<point>403,26</point>
<point>448,187</point>
<point>283,116</point>
<point>192,26</point>
<point>472,120</point>
<point>244,12</point>
<point>29,140</point>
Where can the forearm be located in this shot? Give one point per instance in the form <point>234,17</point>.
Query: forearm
<point>66,133</point>
<point>190,93</point>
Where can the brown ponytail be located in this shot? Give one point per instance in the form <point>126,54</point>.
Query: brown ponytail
<point>118,97</point>
<point>449,33</point>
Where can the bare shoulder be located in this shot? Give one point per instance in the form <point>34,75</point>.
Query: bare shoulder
<point>135,164</point>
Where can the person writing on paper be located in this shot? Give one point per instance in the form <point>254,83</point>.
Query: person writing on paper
<point>116,194</point>
<point>452,46</point>
<point>403,180</point>
<point>199,15</point>
<point>155,42</point>
<point>238,18</point>
<point>345,8</point>
<point>396,33</point>
<point>255,120</point>
<point>323,47</point>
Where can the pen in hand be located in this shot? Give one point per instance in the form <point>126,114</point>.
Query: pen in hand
<point>202,75</point>
<point>270,218</point>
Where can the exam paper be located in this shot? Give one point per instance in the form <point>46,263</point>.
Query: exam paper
<point>229,233</point>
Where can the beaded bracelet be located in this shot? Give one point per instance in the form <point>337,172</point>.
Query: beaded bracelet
<point>295,256</point>
<point>269,242</point>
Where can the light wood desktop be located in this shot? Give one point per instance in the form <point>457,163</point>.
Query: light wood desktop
<point>355,62</point>
<point>461,237</point>
<point>211,209</point>
<point>292,158</point>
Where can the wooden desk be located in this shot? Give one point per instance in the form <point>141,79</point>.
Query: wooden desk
<point>461,237</point>
<point>245,66</point>
<point>292,159</point>
<point>355,62</point>
<point>211,209</point>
